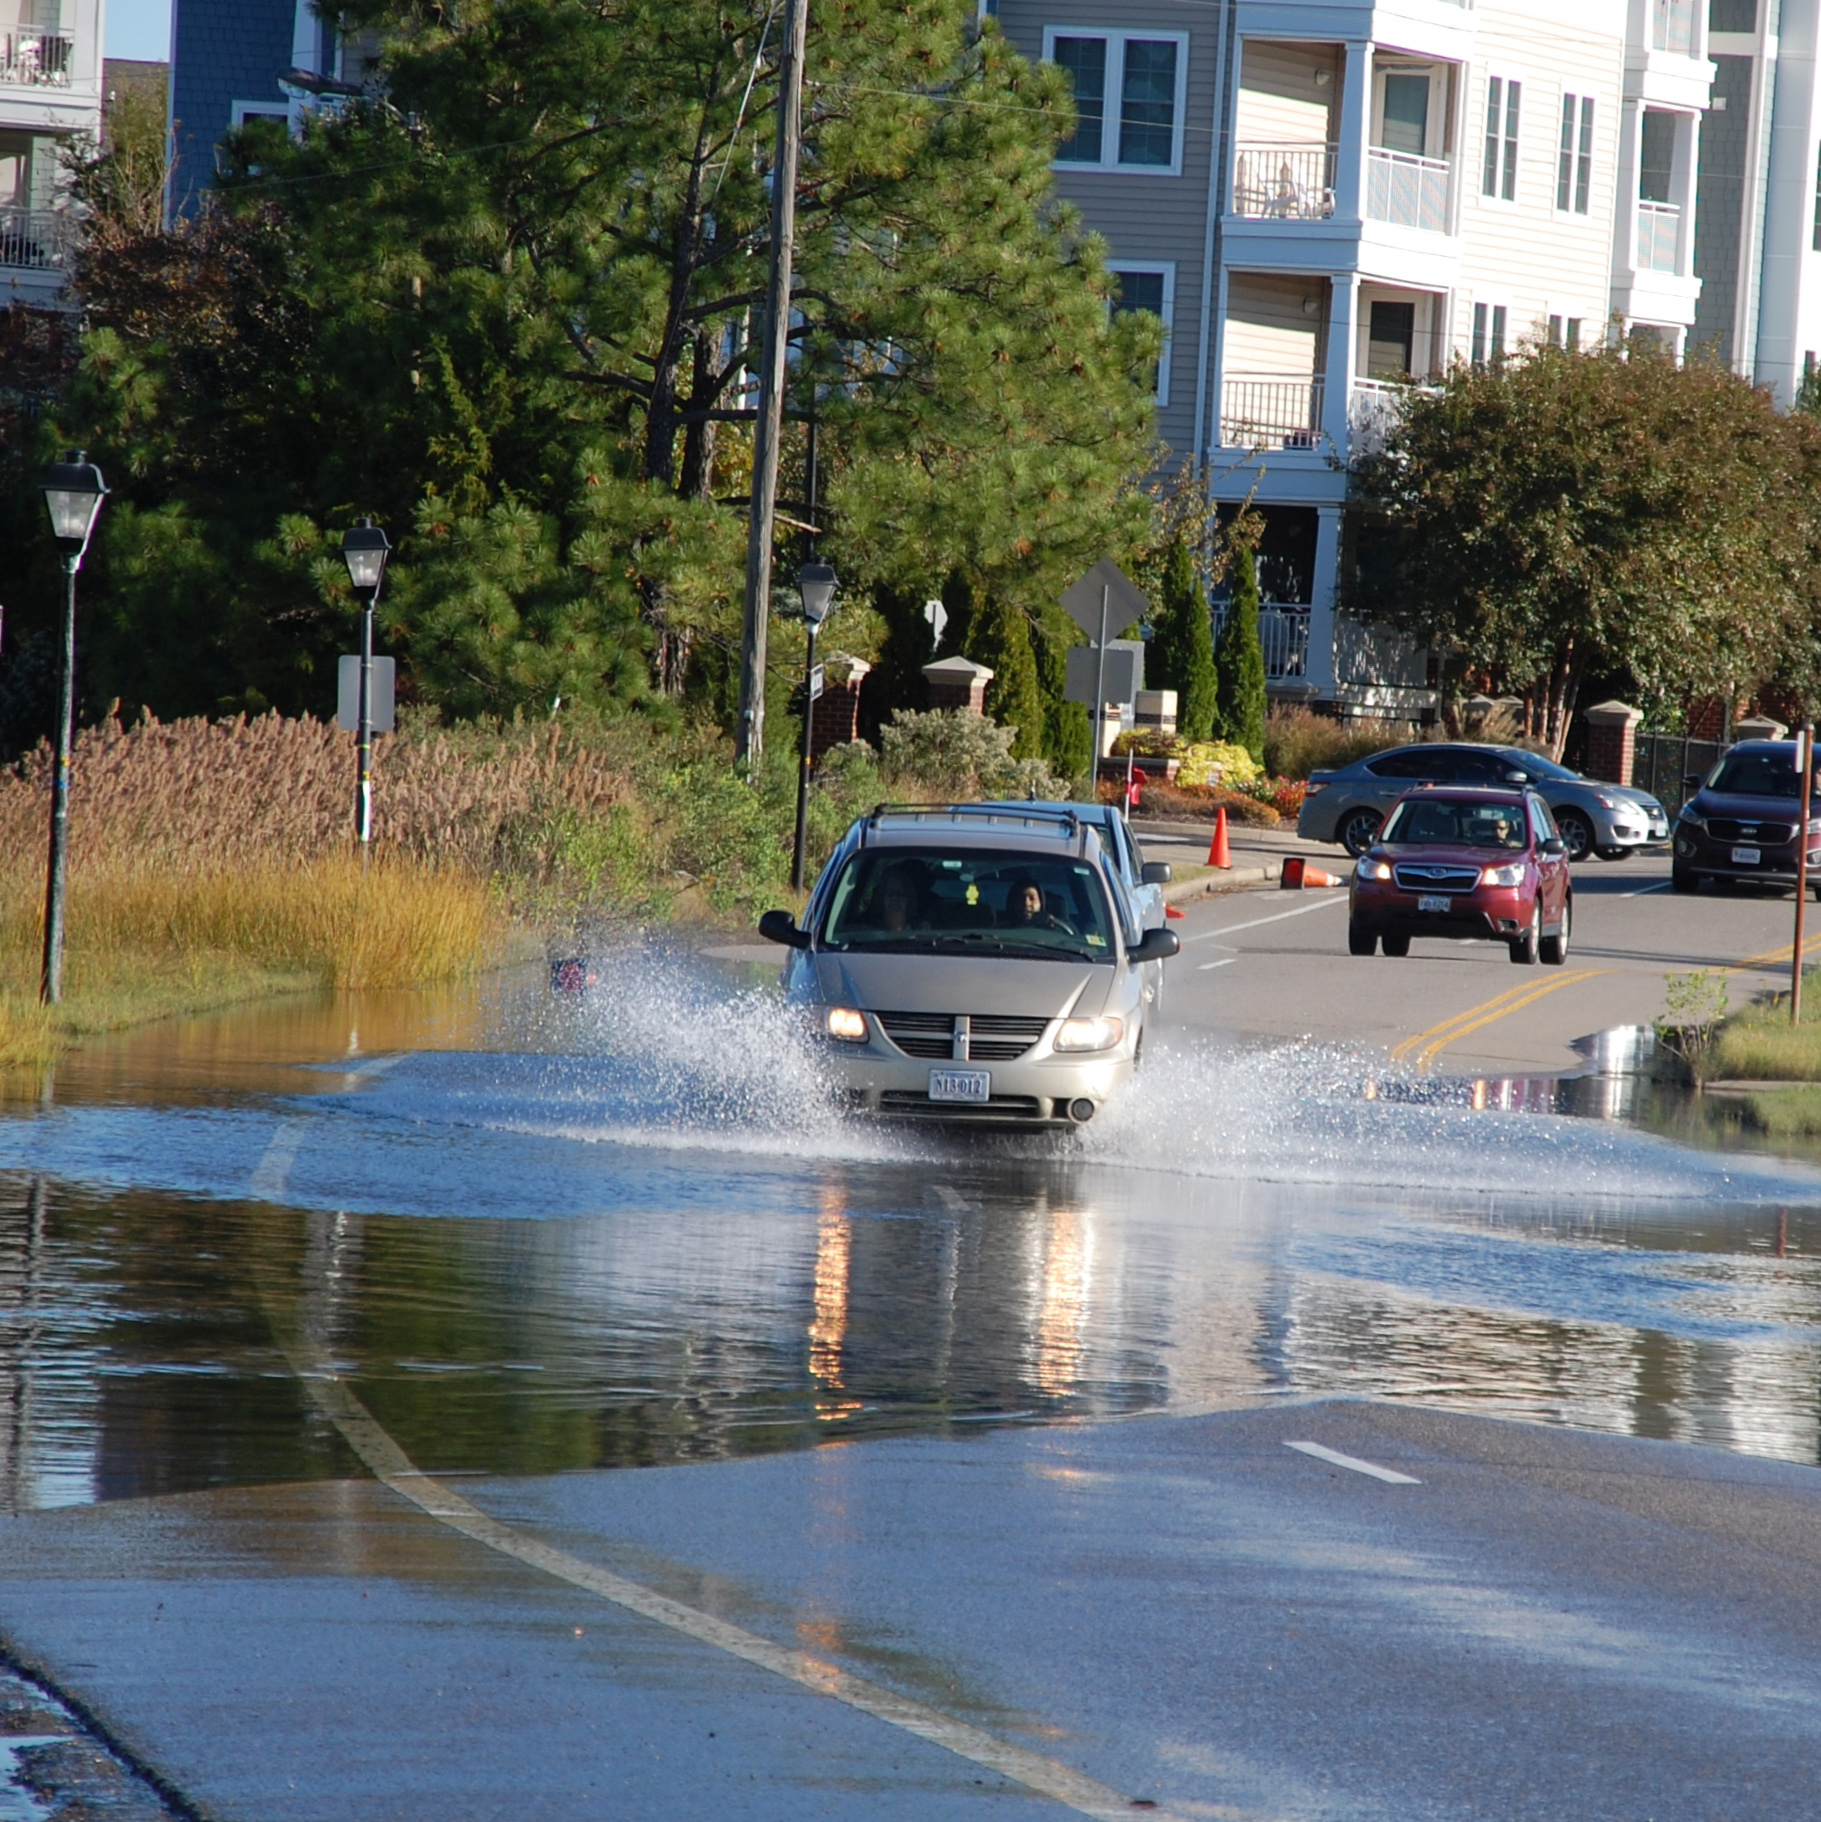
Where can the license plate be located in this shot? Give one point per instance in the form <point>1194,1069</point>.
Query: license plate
<point>1434,901</point>
<point>960,1084</point>
<point>1746,857</point>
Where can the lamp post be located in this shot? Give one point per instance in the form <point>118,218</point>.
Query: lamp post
<point>364,549</point>
<point>816,584</point>
<point>73,492</point>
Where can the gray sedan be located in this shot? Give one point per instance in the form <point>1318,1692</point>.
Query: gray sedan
<point>1349,805</point>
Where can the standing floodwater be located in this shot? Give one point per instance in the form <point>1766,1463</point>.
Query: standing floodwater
<point>631,1231</point>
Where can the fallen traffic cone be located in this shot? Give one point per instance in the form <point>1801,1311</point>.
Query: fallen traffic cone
<point>1314,876</point>
<point>1293,873</point>
<point>1218,856</point>
<point>1173,911</point>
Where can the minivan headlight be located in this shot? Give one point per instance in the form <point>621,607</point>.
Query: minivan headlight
<point>1512,875</point>
<point>1089,1034</point>
<point>846,1024</point>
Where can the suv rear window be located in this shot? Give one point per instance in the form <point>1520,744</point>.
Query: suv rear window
<point>1465,822</point>
<point>970,902</point>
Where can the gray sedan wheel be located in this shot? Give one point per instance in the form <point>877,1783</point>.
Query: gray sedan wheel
<point>1359,830</point>
<point>1577,833</point>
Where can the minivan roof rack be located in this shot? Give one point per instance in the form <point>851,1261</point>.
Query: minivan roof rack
<point>1056,816</point>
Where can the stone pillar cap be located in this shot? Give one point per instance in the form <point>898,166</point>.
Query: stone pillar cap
<point>957,668</point>
<point>1614,713</point>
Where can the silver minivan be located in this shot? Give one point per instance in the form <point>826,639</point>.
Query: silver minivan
<point>974,962</point>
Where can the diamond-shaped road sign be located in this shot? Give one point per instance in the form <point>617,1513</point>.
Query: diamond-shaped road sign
<point>1106,586</point>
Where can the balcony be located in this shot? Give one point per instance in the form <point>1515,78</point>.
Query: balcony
<point>34,59</point>
<point>1375,411</point>
<point>1659,236</point>
<point>1284,182</point>
<point>1270,411</point>
<point>34,240</point>
<point>1408,190</point>
<point>1284,634</point>
<point>1672,27</point>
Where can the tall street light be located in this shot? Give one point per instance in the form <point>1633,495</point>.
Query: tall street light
<point>816,584</point>
<point>73,492</point>
<point>364,549</point>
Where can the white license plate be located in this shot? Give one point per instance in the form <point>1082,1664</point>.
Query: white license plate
<point>1746,857</point>
<point>1434,901</point>
<point>960,1084</point>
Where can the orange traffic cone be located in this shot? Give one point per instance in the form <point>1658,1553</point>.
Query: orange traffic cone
<point>1314,876</point>
<point>1292,878</point>
<point>1218,856</point>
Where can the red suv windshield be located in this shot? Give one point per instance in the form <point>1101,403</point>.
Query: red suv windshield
<point>1457,822</point>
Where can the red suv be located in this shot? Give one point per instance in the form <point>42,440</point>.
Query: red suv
<point>1453,861</point>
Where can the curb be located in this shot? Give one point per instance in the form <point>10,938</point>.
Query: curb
<point>1182,891</point>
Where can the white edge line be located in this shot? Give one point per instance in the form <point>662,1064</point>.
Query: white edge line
<point>1390,1475</point>
<point>1276,917</point>
<point>1227,962</point>
<point>1655,886</point>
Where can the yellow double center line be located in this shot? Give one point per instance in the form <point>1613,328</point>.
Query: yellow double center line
<point>1422,1048</point>
<point>1425,1046</point>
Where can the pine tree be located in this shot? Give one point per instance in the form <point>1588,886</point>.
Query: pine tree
<point>1182,653</point>
<point>1001,640</point>
<point>1241,662</point>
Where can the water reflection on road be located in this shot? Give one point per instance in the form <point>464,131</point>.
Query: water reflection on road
<point>537,1241</point>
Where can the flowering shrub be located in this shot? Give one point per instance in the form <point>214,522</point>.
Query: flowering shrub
<point>1284,795</point>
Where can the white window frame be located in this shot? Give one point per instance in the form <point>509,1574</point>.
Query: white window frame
<point>1116,39</point>
<point>243,111</point>
<point>1581,156</point>
<point>1166,268</point>
<point>1497,343</point>
<point>1510,149</point>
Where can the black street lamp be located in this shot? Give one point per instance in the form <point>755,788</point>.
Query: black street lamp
<point>816,585</point>
<point>73,492</point>
<point>364,549</point>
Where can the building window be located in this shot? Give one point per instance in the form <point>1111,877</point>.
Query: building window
<point>1816,239</point>
<point>1732,16</point>
<point>1565,332</point>
<point>1150,286</point>
<point>1128,98</point>
<point>1574,170</point>
<point>1673,26</point>
<point>1488,334</point>
<point>1390,340</point>
<point>1499,176</point>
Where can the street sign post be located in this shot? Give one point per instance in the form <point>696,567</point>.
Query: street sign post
<point>1092,603</point>
<point>381,688</point>
<point>815,682</point>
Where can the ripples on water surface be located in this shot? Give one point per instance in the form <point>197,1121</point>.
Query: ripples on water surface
<point>630,1232</point>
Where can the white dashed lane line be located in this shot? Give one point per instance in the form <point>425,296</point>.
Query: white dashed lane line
<point>1354,1463</point>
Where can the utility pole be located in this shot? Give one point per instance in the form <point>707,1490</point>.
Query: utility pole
<point>751,740</point>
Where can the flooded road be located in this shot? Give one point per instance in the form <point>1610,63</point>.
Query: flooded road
<point>535,1237</point>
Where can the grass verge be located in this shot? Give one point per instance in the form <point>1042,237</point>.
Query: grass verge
<point>1785,1113</point>
<point>1761,1045</point>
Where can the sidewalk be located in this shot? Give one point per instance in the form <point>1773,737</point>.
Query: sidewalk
<point>1258,856</point>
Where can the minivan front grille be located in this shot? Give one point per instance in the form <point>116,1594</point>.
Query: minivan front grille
<point>1000,1107</point>
<point>992,1037</point>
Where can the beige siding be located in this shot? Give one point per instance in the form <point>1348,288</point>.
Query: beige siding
<point>1526,254</point>
<point>1280,100</point>
<point>1270,329</point>
<point>1147,216</point>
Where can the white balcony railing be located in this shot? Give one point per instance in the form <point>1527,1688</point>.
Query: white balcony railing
<point>37,239</point>
<point>1375,410</point>
<point>1659,236</point>
<point>1270,411</point>
<point>31,59</point>
<point>1284,182</point>
<point>1672,26</point>
<point>1284,634</point>
<point>1406,189</point>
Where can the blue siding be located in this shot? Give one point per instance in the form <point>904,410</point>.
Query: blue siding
<point>223,51</point>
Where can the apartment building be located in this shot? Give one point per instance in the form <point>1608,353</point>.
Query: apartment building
<point>238,60</point>
<point>1329,201</point>
<point>50,93</point>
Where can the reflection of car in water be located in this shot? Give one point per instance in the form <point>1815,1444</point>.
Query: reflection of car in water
<point>975,962</point>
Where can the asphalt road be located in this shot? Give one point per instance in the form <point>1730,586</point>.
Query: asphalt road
<point>1323,1610</point>
<point>1274,964</point>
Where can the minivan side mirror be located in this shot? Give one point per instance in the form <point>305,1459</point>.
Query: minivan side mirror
<point>781,927</point>
<point>1156,873</point>
<point>1157,946</point>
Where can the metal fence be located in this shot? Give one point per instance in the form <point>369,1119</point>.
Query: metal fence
<point>37,239</point>
<point>1269,411</point>
<point>33,59</point>
<point>1660,762</point>
<point>1283,632</point>
<point>1284,182</point>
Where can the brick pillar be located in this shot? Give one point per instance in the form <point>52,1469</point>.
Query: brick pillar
<point>1612,729</point>
<point>957,683</point>
<point>835,719</point>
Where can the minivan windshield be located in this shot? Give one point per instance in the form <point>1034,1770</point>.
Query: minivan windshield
<point>970,902</point>
<point>1758,774</point>
<point>1457,822</point>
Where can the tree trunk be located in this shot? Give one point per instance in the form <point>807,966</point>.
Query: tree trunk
<point>699,435</point>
